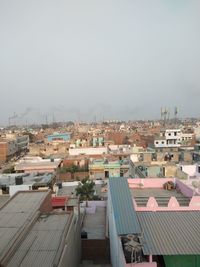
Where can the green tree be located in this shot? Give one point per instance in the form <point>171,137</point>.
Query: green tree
<point>85,190</point>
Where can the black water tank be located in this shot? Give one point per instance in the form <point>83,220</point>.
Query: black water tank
<point>18,180</point>
<point>59,184</point>
<point>84,235</point>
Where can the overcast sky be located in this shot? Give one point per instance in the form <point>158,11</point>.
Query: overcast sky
<point>78,59</point>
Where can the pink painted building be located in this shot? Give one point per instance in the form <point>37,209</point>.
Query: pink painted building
<point>150,222</point>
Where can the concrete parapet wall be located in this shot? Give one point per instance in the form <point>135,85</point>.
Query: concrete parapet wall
<point>92,205</point>
<point>173,205</point>
<point>149,183</point>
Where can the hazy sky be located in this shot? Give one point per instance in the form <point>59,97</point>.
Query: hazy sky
<point>79,59</point>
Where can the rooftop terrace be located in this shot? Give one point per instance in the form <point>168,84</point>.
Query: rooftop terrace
<point>154,195</point>
<point>162,196</point>
<point>95,224</point>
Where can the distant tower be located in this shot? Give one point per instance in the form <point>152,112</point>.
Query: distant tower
<point>165,115</point>
<point>175,113</point>
<point>161,113</point>
<point>168,114</point>
<point>46,119</point>
<point>12,118</point>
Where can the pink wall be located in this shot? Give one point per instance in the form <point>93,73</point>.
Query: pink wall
<point>149,182</point>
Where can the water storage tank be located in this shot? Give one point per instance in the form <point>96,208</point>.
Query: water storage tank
<point>18,180</point>
<point>84,235</point>
<point>59,184</point>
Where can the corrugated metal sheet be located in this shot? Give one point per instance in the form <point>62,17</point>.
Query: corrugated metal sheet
<point>40,246</point>
<point>125,216</point>
<point>170,233</point>
<point>6,234</point>
<point>15,214</point>
<point>3,200</point>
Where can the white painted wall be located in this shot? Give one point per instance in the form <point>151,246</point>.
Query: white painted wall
<point>15,188</point>
<point>171,138</point>
<point>88,151</point>
<point>191,170</point>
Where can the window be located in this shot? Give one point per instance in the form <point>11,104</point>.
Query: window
<point>163,142</point>
<point>169,134</point>
<point>157,142</point>
<point>175,133</point>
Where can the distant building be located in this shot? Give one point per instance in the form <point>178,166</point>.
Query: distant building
<point>88,151</point>
<point>22,143</point>
<point>168,138</point>
<point>102,168</point>
<point>59,137</point>
<point>12,183</point>
<point>8,148</point>
<point>37,164</point>
<point>187,139</point>
<point>11,145</point>
<point>197,131</point>
<point>97,141</point>
<point>81,142</point>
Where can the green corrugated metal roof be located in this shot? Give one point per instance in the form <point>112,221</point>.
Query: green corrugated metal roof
<point>125,216</point>
<point>170,232</point>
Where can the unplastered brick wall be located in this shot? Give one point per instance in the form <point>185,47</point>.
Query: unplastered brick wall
<point>46,205</point>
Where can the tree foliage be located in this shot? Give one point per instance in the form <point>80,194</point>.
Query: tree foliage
<point>85,189</point>
<point>73,169</point>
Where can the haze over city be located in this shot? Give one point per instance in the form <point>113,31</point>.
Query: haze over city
<point>76,60</point>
